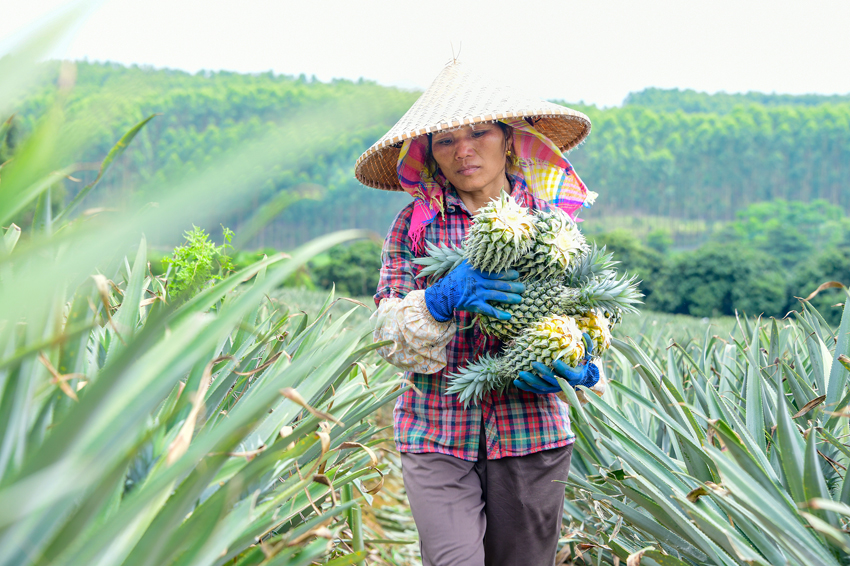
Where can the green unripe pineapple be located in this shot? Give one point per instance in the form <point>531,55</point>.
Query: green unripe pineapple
<point>541,298</point>
<point>500,234</point>
<point>555,247</point>
<point>548,339</point>
<point>549,297</point>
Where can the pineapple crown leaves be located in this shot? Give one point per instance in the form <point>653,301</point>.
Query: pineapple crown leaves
<point>612,293</point>
<point>594,264</point>
<point>472,382</point>
<point>441,259</point>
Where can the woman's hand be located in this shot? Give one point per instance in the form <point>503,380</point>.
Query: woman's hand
<point>546,380</point>
<point>468,289</point>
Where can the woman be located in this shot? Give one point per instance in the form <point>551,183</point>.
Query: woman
<point>482,481</point>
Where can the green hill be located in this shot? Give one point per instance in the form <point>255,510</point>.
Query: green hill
<point>691,101</point>
<point>672,158</point>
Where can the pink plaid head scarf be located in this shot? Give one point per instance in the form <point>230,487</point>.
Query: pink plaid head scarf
<point>547,173</point>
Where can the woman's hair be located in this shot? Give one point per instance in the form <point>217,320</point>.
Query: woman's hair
<point>432,170</point>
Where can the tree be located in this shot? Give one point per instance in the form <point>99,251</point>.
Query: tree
<point>832,264</point>
<point>353,269</point>
<point>719,280</point>
<point>634,258</point>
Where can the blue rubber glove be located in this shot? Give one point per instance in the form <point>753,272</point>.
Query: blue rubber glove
<point>468,289</point>
<point>546,381</point>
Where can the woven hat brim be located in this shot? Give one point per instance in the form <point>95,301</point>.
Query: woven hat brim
<point>457,98</point>
<point>377,167</point>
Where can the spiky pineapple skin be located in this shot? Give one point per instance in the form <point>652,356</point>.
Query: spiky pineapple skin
<point>541,298</point>
<point>595,324</point>
<point>552,297</point>
<point>500,234</point>
<point>557,243</point>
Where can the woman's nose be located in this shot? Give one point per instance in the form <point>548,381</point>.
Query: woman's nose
<point>463,148</point>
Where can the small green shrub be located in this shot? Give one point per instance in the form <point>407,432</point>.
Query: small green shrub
<point>198,264</point>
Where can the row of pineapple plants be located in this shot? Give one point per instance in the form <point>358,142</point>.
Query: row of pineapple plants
<point>723,451</point>
<point>142,428</point>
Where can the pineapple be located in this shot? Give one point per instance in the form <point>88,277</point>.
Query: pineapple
<point>501,233</point>
<point>557,243</point>
<point>570,288</point>
<point>541,298</point>
<point>548,339</point>
<point>595,324</point>
<point>552,297</point>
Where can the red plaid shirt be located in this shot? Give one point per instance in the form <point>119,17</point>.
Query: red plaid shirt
<point>515,423</point>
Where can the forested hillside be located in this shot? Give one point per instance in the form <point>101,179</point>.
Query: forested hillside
<point>673,158</point>
<point>671,100</point>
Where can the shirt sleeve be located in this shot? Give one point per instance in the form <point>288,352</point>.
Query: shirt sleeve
<point>398,272</point>
<point>418,340</point>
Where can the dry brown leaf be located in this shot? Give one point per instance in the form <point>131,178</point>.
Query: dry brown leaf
<point>324,480</point>
<point>249,455</point>
<point>809,406</point>
<point>696,493</point>
<point>823,287</point>
<point>272,360</point>
<point>634,559</point>
<point>101,283</point>
<point>368,450</point>
<point>296,397</point>
<point>60,380</point>
<point>181,442</point>
<point>378,486</point>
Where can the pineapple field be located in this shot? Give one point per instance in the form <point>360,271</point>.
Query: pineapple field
<point>206,415</point>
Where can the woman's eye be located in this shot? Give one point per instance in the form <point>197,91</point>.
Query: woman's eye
<point>444,141</point>
<point>478,133</point>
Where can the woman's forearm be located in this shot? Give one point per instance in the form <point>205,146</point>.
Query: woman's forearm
<point>419,340</point>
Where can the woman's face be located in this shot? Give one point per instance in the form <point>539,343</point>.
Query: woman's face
<point>473,160</point>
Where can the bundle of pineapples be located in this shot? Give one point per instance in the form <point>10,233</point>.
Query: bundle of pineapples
<point>571,288</point>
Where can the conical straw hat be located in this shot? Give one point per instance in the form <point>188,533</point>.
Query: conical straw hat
<point>458,98</point>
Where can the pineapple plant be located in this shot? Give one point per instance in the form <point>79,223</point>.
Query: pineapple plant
<point>548,339</point>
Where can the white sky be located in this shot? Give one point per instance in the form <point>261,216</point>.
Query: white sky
<point>593,50</point>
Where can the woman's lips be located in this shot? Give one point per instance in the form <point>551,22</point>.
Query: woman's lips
<point>468,170</point>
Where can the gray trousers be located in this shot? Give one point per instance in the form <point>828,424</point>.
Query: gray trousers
<point>504,512</point>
